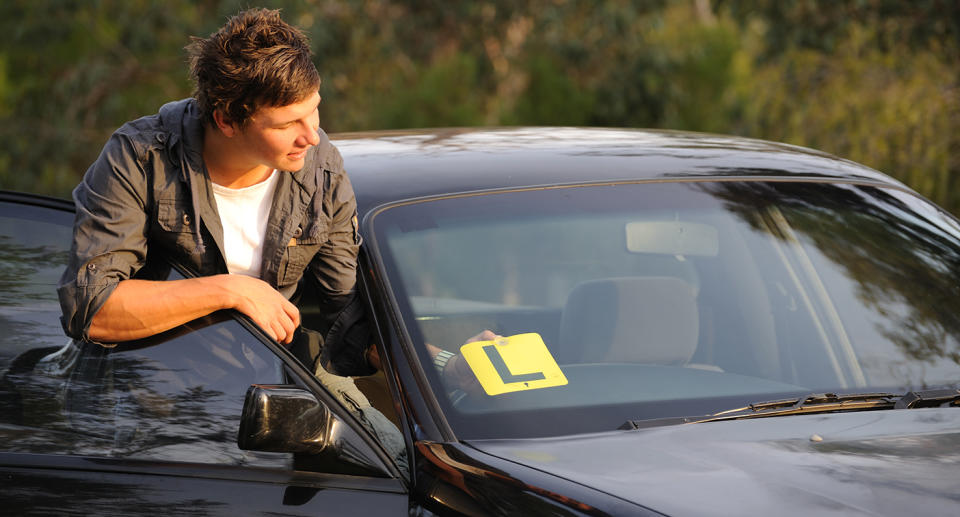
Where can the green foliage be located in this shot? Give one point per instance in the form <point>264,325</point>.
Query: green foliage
<point>875,81</point>
<point>74,71</point>
<point>439,94</point>
<point>893,107</point>
<point>550,97</point>
<point>825,25</point>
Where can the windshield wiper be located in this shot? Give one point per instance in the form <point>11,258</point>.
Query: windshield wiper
<point>929,398</point>
<point>827,402</point>
<point>818,403</point>
<point>814,403</point>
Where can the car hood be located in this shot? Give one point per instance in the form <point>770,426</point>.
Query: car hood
<point>895,462</point>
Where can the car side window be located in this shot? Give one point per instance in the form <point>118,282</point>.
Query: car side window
<point>34,248</point>
<point>177,396</point>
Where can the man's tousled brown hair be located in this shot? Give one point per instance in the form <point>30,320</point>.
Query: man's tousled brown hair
<point>255,60</point>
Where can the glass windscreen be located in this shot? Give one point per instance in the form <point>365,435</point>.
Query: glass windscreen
<point>645,301</point>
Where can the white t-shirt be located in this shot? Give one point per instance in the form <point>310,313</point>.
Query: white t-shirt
<point>243,215</point>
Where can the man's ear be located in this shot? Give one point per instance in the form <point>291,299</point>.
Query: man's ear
<point>224,124</point>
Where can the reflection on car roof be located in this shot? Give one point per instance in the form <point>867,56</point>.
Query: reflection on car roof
<point>396,165</point>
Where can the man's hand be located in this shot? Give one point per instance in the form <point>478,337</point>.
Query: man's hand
<point>457,373</point>
<point>486,335</point>
<point>264,305</point>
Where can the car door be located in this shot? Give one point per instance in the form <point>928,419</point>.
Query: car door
<point>150,426</point>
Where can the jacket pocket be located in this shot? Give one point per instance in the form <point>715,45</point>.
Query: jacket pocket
<point>174,216</point>
<point>175,219</point>
<point>298,254</point>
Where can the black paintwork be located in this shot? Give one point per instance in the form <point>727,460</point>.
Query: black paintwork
<point>894,462</point>
<point>387,167</point>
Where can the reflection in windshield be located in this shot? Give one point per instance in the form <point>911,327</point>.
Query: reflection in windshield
<point>676,299</point>
<point>902,265</point>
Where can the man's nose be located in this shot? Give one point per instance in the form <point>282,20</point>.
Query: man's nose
<point>310,136</point>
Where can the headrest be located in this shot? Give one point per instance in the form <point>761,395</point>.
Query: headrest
<point>631,319</point>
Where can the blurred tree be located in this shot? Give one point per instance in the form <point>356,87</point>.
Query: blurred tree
<point>872,80</point>
<point>74,71</point>
<point>824,25</point>
<point>876,81</point>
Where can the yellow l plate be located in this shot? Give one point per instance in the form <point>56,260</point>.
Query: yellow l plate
<point>514,363</point>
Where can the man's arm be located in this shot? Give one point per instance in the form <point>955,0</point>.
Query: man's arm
<point>109,232</point>
<point>141,308</point>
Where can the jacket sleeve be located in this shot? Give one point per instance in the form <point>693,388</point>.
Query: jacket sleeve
<point>346,329</point>
<point>109,234</point>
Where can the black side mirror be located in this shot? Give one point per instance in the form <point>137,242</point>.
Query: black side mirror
<point>284,419</point>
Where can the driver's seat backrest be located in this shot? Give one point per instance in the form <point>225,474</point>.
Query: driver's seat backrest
<point>650,320</point>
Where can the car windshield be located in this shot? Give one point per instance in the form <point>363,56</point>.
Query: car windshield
<point>652,300</point>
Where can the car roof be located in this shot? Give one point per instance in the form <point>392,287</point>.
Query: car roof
<point>391,166</point>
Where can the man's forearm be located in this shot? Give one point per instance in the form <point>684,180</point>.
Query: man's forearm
<point>142,308</point>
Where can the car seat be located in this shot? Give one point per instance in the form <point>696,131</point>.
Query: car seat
<point>650,320</point>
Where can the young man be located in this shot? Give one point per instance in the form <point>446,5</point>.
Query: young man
<point>240,184</point>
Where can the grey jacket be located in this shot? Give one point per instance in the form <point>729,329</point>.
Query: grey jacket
<point>148,196</point>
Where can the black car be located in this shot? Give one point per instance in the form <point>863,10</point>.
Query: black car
<point>685,324</point>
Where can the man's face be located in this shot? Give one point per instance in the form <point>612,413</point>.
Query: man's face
<point>279,137</point>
